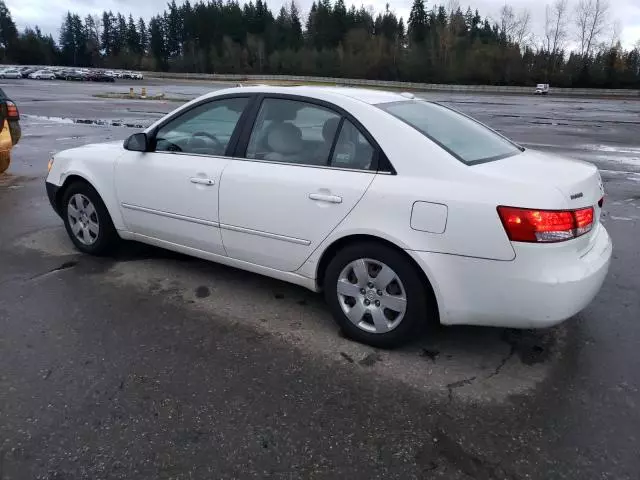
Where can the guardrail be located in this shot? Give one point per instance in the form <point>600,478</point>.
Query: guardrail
<point>409,86</point>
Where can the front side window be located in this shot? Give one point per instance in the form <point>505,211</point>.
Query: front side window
<point>464,138</point>
<point>293,132</point>
<point>205,129</point>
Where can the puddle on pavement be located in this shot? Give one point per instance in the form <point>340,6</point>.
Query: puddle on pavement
<point>10,180</point>
<point>83,121</point>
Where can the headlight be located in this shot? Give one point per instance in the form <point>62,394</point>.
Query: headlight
<point>50,165</point>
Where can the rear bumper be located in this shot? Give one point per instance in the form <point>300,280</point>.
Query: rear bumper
<point>540,288</point>
<point>52,193</point>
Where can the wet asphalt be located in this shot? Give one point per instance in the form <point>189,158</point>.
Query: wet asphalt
<point>153,365</point>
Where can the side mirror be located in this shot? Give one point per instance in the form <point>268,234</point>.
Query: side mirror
<point>138,142</point>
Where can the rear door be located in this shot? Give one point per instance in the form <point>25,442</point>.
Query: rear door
<point>297,174</point>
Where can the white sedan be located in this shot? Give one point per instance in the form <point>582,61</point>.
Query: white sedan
<point>42,75</point>
<point>404,212</point>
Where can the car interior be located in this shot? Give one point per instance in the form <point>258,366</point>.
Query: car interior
<point>297,132</point>
<point>284,131</point>
<point>203,130</point>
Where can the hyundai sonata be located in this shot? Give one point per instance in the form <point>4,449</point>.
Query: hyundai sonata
<point>403,211</point>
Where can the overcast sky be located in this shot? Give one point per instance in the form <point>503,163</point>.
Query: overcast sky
<point>48,14</point>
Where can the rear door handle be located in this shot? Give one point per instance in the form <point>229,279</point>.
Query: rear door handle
<point>202,181</point>
<point>320,197</point>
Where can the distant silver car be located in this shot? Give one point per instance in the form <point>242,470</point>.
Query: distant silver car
<point>42,75</point>
<point>10,73</point>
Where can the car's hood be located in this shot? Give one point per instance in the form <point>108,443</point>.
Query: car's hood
<point>93,150</point>
<point>115,144</point>
<point>579,182</point>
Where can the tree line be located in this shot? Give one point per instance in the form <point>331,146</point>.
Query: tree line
<point>440,44</point>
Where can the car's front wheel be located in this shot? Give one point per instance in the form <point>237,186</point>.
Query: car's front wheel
<point>377,295</point>
<point>87,220</point>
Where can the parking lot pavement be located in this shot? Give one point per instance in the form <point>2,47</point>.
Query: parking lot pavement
<point>154,365</point>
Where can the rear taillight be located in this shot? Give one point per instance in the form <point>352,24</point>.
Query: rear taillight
<point>12,111</point>
<point>527,225</point>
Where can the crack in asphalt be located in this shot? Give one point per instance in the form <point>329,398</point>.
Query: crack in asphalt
<point>460,383</point>
<point>503,362</point>
<point>60,268</point>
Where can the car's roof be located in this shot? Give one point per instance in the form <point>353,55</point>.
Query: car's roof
<point>365,95</point>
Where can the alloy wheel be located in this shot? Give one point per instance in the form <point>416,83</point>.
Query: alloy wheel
<point>371,295</point>
<point>83,219</point>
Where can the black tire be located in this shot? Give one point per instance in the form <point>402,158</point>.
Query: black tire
<point>15,131</point>
<point>420,312</point>
<point>5,161</point>
<point>107,238</point>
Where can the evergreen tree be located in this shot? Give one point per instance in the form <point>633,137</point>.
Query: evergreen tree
<point>222,36</point>
<point>8,33</point>
<point>417,26</point>
<point>157,47</point>
<point>296,27</point>
<point>108,33</point>
<point>133,38</point>
<point>142,34</point>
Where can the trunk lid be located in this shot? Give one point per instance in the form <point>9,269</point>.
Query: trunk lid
<point>578,182</point>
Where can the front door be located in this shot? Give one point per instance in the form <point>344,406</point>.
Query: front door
<point>297,183</point>
<point>171,193</point>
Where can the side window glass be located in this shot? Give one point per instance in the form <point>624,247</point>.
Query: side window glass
<point>294,132</point>
<point>204,130</point>
<point>352,150</point>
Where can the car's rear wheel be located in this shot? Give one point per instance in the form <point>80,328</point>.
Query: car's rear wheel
<point>87,220</point>
<point>377,295</point>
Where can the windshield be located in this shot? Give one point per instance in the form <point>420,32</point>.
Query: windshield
<point>464,138</point>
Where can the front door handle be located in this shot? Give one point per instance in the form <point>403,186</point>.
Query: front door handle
<point>320,197</point>
<point>202,181</point>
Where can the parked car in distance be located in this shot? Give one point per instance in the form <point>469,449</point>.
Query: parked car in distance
<point>26,71</point>
<point>60,74</point>
<point>75,75</point>
<point>42,75</point>
<point>99,77</point>
<point>542,89</point>
<point>403,212</point>
<point>10,73</point>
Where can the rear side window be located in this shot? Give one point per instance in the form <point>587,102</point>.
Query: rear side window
<point>464,138</point>
<point>293,131</point>
<point>352,150</point>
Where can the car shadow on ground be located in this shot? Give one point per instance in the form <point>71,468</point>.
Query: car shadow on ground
<point>530,346</point>
<point>479,362</point>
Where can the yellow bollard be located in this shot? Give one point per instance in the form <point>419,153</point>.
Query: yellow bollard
<point>144,93</point>
<point>130,92</point>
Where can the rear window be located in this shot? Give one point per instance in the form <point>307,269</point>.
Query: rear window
<point>464,138</point>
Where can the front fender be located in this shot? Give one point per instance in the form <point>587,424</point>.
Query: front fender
<point>95,167</point>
